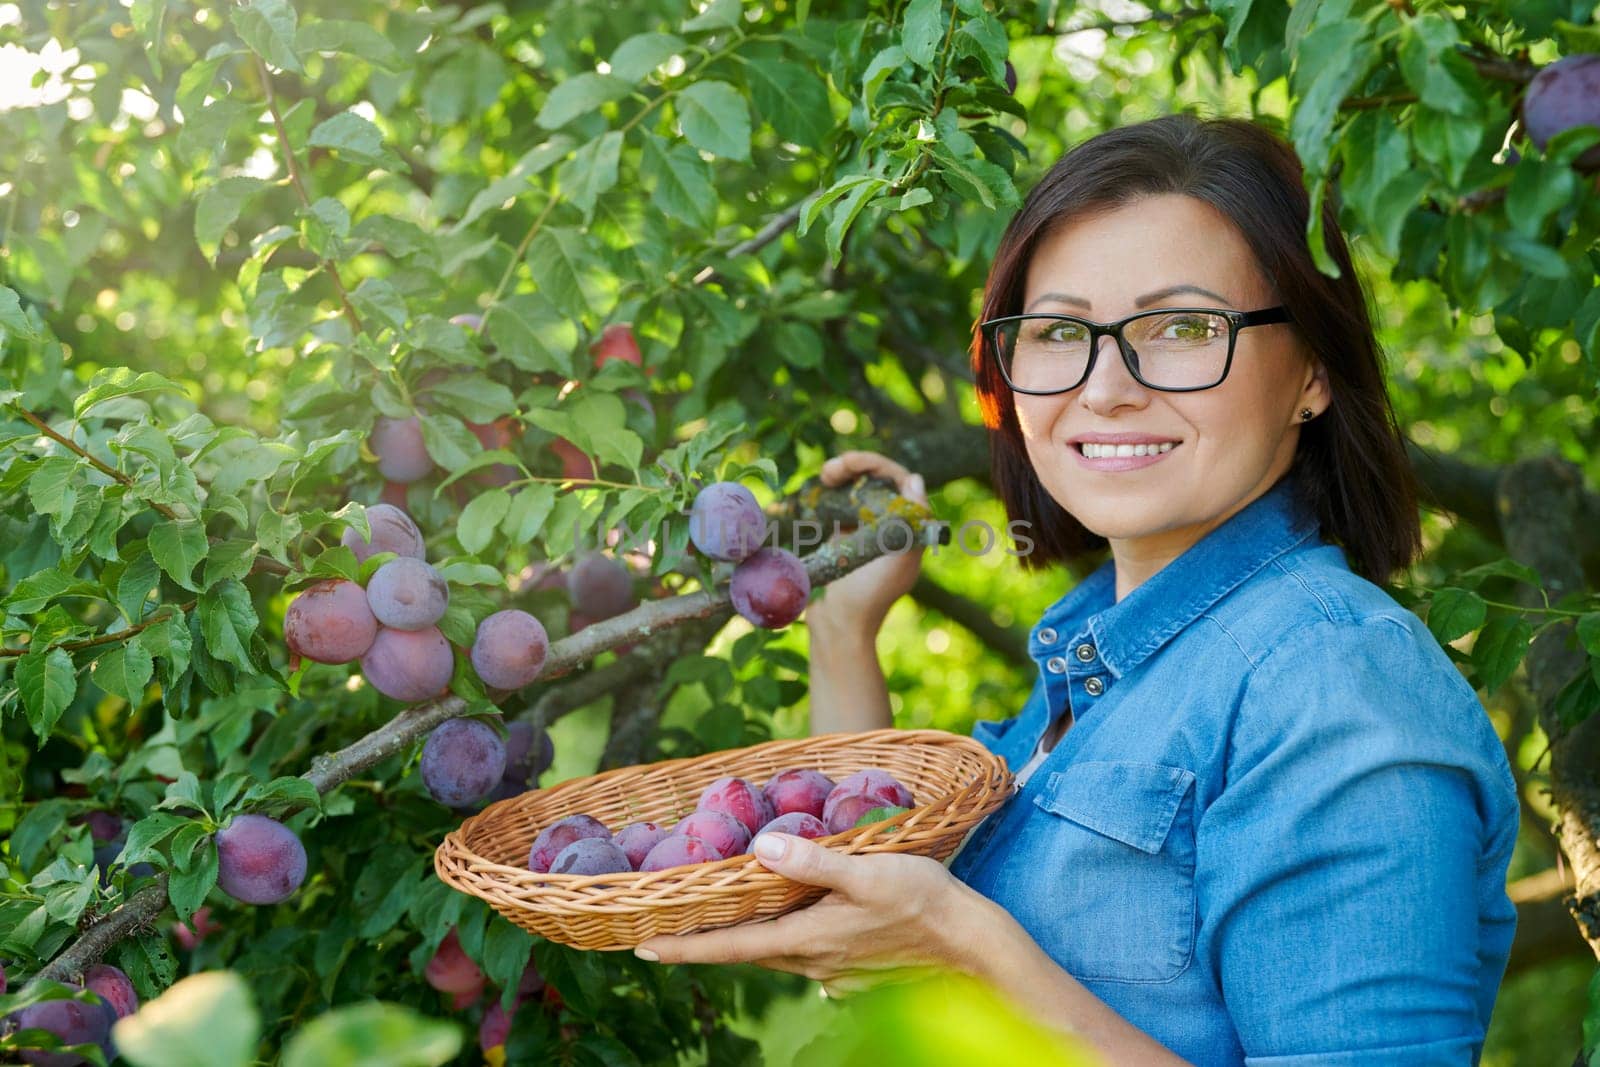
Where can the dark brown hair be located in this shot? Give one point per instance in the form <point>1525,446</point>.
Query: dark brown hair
<point>1350,467</point>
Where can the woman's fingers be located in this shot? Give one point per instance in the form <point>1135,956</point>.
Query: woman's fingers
<point>847,466</point>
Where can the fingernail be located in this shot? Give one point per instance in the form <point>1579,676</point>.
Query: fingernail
<point>771,847</point>
<point>917,485</point>
<point>647,955</point>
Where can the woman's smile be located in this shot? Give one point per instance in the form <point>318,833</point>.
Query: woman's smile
<point>1112,458</point>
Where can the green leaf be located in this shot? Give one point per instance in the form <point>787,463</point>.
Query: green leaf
<point>280,796</point>
<point>205,1020</point>
<point>680,182</point>
<point>356,139</point>
<point>472,396</point>
<point>146,835</point>
<point>1454,613</point>
<point>120,382</point>
<point>1589,633</point>
<point>219,207</point>
<point>187,889</point>
<point>146,960</point>
<point>479,519</point>
<point>373,1034</point>
<point>637,57</point>
<point>35,591</point>
<point>1499,648</point>
<point>1427,48</point>
<point>1329,63</point>
<point>268,27</point>
<point>592,171</point>
<point>718,15</point>
<point>47,682</point>
<point>380,303</point>
<point>792,99</point>
<point>557,259</point>
<point>922,31</point>
<point>349,38</point>
<point>528,511</point>
<point>579,95</point>
<point>448,441</point>
<point>229,560</point>
<point>715,119</point>
<point>125,670</point>
<point>1537,191</point>
<point>228,621</point>
<point>13,319</point>
<point>50,485</point>
<point>177,546</point>
<point>984,38</point>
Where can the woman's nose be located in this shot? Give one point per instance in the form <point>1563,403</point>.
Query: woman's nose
<point>1110,385</point>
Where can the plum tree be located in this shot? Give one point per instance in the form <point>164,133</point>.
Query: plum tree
<point>402,456</point>
<point>1563,95</point>
<point>451,970</point>
<point>114,987</point>
<point>558,835</point>
<point>392,531</point>
<point>770,588</point>
<point>616,342</point>
<point>799,823</point>
<point>330,622</point>
<point>509,649</point>
<point>725,835</point>
<point>637,839</point>
<point>462,760</point>
<point>858,794</point>
<point>675,850</point>
<point>409,665</point>
<point>726,523</point>
<point>798,789</point>
<point>73,1022</point>
<point>740,798</point>
<point>259,860</point>
<point>591,855</point>
<point>600,586</point>
<point>407,594</point>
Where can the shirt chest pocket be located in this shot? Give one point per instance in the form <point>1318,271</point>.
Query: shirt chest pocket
<point>1103,873</point>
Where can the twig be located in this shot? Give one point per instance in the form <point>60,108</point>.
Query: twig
<point>105,639</point>
<point>110,472</point>
<point>300,187</point>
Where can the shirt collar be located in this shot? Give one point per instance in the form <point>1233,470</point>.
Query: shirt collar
<point>1127,632</point>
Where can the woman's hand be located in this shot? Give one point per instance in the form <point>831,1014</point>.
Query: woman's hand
<point>888,916</point>
<point>861,599</point>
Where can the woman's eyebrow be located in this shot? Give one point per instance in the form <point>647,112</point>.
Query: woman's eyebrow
<point>1143,301</point>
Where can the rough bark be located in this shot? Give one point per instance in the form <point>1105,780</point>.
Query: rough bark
<point>1541,506</point>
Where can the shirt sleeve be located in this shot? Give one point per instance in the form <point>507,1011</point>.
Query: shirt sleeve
<point>1346,867</point>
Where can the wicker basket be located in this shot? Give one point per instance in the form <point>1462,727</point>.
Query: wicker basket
<point>954,781</point>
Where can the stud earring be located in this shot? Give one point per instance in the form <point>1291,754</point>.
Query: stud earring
<point>1305,414</point>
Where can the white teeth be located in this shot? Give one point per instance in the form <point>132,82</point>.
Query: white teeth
<point>1098,451</point>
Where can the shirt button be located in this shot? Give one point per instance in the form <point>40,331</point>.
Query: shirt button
<point>1094,686</point>
<point>1085,653</point>
<point>1055,665</point>
<point>1047,636</point>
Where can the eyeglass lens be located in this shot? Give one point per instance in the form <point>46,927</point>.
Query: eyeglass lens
<point>1177,350</point>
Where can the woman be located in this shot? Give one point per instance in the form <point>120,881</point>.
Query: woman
<point>1262,818</point>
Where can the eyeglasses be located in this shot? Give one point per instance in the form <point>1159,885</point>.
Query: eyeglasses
<point>1175,350</point>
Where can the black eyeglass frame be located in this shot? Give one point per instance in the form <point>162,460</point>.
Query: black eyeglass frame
<point>1237,320</point>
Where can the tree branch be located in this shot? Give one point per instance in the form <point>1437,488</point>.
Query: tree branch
<point>972,617</point>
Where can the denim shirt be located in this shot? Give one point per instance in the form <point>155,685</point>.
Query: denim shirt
<point>1278,829</point>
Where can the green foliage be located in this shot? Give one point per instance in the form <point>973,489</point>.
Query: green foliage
<point>235,235</point>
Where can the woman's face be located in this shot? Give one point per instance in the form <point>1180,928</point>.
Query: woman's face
<point>1233,441</point>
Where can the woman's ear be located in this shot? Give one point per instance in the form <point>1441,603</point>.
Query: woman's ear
<point>1316,393</point>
